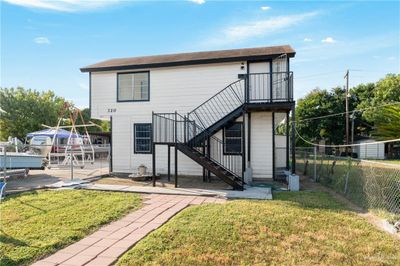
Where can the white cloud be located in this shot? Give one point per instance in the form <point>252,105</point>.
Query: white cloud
<point>328,40</point>
<point>257,28</point>
<point>199,2</point>
<point>307,40</point>
<point>391,58</point>
<point>41,40</point>
<point>83,86</point>
<point>64,5</point>
<point>265,8</point>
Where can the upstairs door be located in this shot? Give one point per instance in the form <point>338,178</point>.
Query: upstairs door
<point>259,81</point>
<point>280,78</point>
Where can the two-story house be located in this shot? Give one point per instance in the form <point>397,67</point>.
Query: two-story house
<point>206,114</point>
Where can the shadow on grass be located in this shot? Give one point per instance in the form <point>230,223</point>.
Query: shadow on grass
<point>30,205</point>
<point>6,239</point>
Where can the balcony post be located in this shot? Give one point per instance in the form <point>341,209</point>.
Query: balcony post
<point>270,82</point>
<point>247,88</point>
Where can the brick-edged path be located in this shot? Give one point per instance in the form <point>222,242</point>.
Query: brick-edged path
<point>111,241</point>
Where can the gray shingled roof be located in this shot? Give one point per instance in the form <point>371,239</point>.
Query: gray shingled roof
<point>190,58</point>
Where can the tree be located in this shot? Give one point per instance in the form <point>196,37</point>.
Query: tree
<point>387,90</point>
<point>332,129</point>
<point>26,110</point>
<point>104,126</point>
<point>321,103</point>
<point>388,126</point>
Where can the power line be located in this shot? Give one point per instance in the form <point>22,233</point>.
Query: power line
<point>357,110</point>
<point>316,75</point>
<point>343,146</point>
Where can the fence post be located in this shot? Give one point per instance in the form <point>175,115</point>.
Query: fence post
<point>4,164</point>
<point>72,165</point>
<point>346,183</point>
<point>315,163</point>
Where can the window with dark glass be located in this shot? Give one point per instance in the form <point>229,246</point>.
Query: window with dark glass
<point>142,137</point>
<point>233,139</point>
<point>133,86</point>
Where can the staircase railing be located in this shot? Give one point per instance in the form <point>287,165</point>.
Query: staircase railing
<point>268,87</point>
<point>251,88</point>
<point>173,128</point>
<point>219,105</point>
<point>212,148</point>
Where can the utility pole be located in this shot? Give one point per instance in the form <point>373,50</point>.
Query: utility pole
<point>347,111</point>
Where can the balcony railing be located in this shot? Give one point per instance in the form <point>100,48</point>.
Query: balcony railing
<point>269,87</point>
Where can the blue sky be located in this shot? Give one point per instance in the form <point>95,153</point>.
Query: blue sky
<point>44,43</point>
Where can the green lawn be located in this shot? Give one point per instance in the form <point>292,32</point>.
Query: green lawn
<point>388,161</point>
<point>35,224</point>
<point>304,228</point>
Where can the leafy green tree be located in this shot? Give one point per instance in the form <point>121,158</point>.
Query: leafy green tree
<point>388,126</point>
<point>321,103</point>
<point>25,110</point>
<point>103,125</point>
<point>387,90</point>
<point>332,129</point>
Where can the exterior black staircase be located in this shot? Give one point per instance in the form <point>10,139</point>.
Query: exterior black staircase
<point>193,134</point>
<point>175,129</point>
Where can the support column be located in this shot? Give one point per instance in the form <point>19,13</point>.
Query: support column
<point>243,146</point>
<point>111,146</point>
<point>209,155</point>
<point>154,164</point>
<point>248,139</point>
<point>176,166</point>
<point>293,145</point>
<point>169,163</point>
<point>204,154</point>
<point>287,140</point>
<point>176,149</point>
<point>273,146</point>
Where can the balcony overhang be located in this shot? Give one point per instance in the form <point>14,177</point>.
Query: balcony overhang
<point>283,106</point>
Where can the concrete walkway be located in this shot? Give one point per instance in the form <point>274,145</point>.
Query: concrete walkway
<point>263,193</point>
<point>106,245</point>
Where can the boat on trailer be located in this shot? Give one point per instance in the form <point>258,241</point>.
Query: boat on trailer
<point>13,161</point>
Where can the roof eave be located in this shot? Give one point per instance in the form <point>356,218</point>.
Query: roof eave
<point>183,63</point>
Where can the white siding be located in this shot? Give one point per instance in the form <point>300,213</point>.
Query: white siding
<point>280,151</point>
<point>371,151</point>
<point>174,88</point>
<point>261,144</point>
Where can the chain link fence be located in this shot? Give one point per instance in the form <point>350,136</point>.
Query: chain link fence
<point>369,184</point>
<point>60,161</point>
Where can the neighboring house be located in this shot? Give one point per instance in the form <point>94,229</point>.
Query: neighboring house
<point>370,150</point>
<point>216,112</point>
